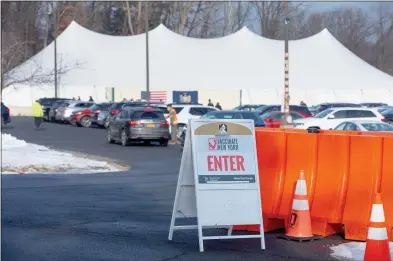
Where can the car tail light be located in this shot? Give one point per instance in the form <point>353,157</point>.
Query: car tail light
<point>164,123</point>
<point>134,123</point>
<point>384,120</point>
<point>8,110</point>
<point>114,111</point>
<point>148,110</point>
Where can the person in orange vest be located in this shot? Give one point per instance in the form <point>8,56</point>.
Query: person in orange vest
<point>173,121</point>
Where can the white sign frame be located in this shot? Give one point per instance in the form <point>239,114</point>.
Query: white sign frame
<point>188,202</point>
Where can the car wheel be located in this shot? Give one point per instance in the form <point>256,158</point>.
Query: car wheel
<point>124,138</point>
<point>109,137</point>
<point>85,121</point>
<point>164,143</point>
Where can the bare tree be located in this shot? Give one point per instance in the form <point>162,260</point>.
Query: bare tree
<point>382,51</point>
<point>236,15</point>
<point>271,17</point>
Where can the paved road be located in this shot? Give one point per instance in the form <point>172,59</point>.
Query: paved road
<point>113,216</point>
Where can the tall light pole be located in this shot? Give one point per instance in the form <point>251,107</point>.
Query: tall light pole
<point>55,47</point>
<point>286,121</point>
<point>147,50</point>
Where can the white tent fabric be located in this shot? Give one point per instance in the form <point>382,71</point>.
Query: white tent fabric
<point>321,69</point>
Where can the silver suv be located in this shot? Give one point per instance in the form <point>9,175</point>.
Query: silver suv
<point>65,111</point>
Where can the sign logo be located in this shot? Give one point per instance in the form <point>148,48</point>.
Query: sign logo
<point>212,143</point>
<point>223,128</point>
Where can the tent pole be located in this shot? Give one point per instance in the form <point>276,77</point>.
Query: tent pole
<point>286,121</point>
<point>55,47</point>
<point>147,50</point>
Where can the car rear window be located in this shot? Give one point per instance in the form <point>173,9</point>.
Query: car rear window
<point>65,104</point>
<point>161,109</point>
<point>148,115</point>
<point>221,115</point>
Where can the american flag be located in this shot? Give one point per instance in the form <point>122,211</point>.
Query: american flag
<point>155,96</point>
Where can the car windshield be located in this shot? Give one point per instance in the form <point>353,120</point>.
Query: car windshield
<point>94,107</point>
<point>377,126</point>
<point>261,109</point>
<point>323,114</point>
<point>220,115</point>
<point>267,115</point>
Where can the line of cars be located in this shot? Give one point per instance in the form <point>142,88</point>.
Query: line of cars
<point>330,116</point>
<point>125,121</point>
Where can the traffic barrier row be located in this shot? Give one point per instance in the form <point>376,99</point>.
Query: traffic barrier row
<point>343,171</point>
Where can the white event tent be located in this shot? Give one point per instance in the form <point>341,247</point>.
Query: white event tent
<point>321,69</point>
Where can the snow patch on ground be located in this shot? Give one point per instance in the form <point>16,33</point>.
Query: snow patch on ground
<point>352,251</point>
<point>19,156</point>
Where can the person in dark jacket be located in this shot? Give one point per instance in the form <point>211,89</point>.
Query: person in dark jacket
<point>91,99</point>
<point>218,106</point>
<point>210,103</point>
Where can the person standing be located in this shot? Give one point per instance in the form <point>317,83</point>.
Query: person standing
<point>173,121</point>
<point>210,103</point>
<point>218,106</point>
<point>91,99</point>
<point>37,113</point>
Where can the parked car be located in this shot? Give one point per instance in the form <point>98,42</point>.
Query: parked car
<point>69,107</point>
<point>190,111</point>
<point>235,114</point>
<point>388,115</point>
<point>330,118</point>
<point>138,124</point>
<point>273,119</point>
<point>84,118</point>
<point>323,106</point>
<point>5,114</point>
<point>248,107</point>
<point>54,108</point>
<point>364,125</point>
<point>303,110</point>
<point>47,103</point>
<point>99,116</point>
<point>373,104</point>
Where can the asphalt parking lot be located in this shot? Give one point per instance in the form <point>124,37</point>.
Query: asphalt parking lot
<point>113,216</point>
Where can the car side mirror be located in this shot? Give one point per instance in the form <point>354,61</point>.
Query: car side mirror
<point>331,117</point>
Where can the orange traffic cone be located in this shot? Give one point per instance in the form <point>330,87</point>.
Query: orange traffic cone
<point>299,228</point>
<point>377,244</point>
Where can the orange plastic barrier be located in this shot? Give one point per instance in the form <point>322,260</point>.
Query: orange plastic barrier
<point>343,171</point>
<point>365,164</point>
<point>387,183</point>
<point>331,184</point>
